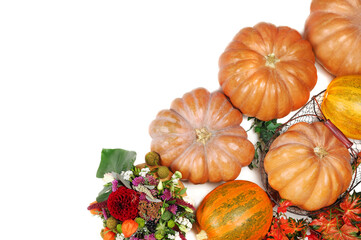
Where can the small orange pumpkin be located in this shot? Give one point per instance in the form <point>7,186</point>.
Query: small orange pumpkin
<point>201,137</point>
<point>342,105</point>
<point>309,166</point>
<point>268,71</point>
<point>235,210</point>
<point>129,227</point>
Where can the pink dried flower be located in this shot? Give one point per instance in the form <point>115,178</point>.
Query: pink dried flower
<point>105,214</point>
<point>182,236</point>
<point>152,180</point>
<point>114,185</point>
<point>137,181</point>
<point>173,209</point>
<point>98,205</point>
<point>142,197</point>
<point>184,203</point>
<point>166,195</point>
<point>150,237</point>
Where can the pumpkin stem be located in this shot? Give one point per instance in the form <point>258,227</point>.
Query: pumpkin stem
<point>320,152</point>
<point>201,235</point>
<point>203,135</point>
<point>271,60</point>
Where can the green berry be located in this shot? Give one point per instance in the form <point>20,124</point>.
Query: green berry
<point>171,223</point>
<point>152,159</point>
<point>159,235</point>
<point>112,223</point>
<point>140,221</point>
<point>119,228</point>
<point>163,172</point>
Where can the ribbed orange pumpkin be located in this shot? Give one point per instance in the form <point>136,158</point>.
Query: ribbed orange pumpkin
<point>334,31</point>
<point>309,166</point>
<point>342,105</point>
<point>234,210</point>
<point>268,71</point>
<point>201,137</point>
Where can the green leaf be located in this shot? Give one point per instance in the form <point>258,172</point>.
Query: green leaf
<point>183,191</point>
<point>166,215</point>
<point>104,194</point>
<point>115,160</point>
<point>265,130</point>
<point>266,135</point>
<point>272,126</point>
<point>171,202</point>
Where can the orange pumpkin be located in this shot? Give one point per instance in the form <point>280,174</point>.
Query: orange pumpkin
<point>201,137</point>
<point>309,166</point>
<point>334,30</point>
<point>267,71</point>
<point>341,105</point>
<point>235,210</point>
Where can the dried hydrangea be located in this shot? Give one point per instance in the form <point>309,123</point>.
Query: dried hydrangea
<point>149,210</point>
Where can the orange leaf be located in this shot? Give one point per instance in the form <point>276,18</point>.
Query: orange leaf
<point>323,224</point>
<point>284,204</point>
<point>351,206</point>
<point>276,232</point>
<point>346,232</point>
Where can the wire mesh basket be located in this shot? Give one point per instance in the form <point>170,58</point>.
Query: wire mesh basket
<point>311,112</point>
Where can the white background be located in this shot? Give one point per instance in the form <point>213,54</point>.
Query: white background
<point>79,76</point>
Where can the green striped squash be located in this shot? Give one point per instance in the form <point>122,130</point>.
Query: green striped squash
<point>234,210</point>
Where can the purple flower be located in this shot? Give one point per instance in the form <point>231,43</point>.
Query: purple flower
<point>152,180</point>
<point>150,237</point>
<point>173,209</point>
<point>105,214</point>
<point>142,197</point>
<point>138,180</point>
<point>134,238</point>
<point>114,185</point>
<point>166,195</point>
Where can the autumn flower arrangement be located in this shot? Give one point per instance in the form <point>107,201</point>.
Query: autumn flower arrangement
<point>137,204</point>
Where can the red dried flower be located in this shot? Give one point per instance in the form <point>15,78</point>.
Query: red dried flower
<point>184,203</point>
<point>123,204</point>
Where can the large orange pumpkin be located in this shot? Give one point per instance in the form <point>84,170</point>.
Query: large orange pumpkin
<point>200,136</point>
<point>342,105</point>
<point>334,30</point>
<point>235,210</point>
<point>268,71</point>
<point>309,166</point>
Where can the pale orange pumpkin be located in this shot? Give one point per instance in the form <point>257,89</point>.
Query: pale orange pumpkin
<point>268,71</point>
<point>334,31</point>
<point>200,136</point>
<point>309,166</point>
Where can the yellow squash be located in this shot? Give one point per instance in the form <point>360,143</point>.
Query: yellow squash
<point>342,105</point>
